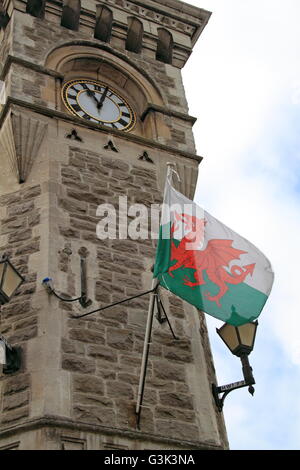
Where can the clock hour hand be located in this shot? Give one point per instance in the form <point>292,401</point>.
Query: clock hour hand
<point>100,103</point>
<point>92,95</point>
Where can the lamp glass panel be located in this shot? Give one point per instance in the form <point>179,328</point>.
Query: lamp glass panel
<point>229,335</point>
<point>247,332</point>
<point>1,272</point>
<point>11,281</point>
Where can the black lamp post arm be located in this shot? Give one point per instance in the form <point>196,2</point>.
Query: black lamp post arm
<point>247,370</point>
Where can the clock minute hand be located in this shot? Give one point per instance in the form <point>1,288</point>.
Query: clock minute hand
<point>92,95</point>
<point>100,103</point>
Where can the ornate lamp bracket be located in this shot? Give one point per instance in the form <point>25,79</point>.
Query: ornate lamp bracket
<point>226,389</point>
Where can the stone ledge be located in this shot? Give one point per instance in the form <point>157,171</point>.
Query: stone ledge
<point>167,112</point>
<point>31,65</point>
<point>195,17</point>
<point>62,422</point>
<point>12,102</point>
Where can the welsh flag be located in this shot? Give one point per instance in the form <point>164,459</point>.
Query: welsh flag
<point>209,265</point>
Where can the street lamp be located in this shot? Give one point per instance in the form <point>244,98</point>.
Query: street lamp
<point>10,280</point>
<point>240,341</point>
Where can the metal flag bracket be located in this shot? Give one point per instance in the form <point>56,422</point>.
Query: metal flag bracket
<point>172,169</point>
<point>83,299</point>
<point>160,318</point>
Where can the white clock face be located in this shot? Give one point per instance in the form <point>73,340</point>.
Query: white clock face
<point>97,102</point>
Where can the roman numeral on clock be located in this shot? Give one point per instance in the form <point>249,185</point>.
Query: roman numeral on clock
<point>77,87</point>
<point>72,93</point>
<point>85,86</point>
<point>85,116</point>
<point>123,122</point>
<point>76,107</point>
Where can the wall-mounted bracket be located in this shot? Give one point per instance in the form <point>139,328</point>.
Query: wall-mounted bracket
<point>11,357</point>
<point>84,301</point>
<point>226,389</point>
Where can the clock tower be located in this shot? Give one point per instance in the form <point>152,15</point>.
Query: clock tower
<point>93,107</point>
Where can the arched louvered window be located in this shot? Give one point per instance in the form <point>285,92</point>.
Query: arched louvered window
<point>36,8</point>
<point>164,50</point>
<point>103,27</point>
<point>135,32</point>
<point>71,14</point>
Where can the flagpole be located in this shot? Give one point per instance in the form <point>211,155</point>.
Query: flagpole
<point>146,351</point>
<point>155,283</point>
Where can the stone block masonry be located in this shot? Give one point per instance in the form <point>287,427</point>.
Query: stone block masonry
<point>99,356</point>
<point>103,352</point>
<point>19,319</point>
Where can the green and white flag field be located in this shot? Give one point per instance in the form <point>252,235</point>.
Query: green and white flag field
<point>207,264</point>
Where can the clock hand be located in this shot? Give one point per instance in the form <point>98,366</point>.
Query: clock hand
<point>100,103</point>
<point>92,95</point>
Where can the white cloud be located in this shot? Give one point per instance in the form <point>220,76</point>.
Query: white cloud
<point>243,84</point>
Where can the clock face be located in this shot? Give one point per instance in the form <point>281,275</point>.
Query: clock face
<point>97,102</point>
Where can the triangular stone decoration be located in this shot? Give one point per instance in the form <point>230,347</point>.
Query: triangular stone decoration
<point>73,135</point>
<point>111,146</point>
<point>21,138</point>
<point>145,157</point>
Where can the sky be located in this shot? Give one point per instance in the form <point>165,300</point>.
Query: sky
<point>243,85</point>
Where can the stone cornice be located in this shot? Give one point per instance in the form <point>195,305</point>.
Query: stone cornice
<point>31,65</point>
<point>66,423</point>
<point>11,102</point>
<point>167,112</point>
<point>192,23</point>
<point>172,14</point>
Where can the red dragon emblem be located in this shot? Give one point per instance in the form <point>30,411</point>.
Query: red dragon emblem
<point>214,258</point>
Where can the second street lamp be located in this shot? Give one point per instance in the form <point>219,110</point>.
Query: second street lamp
<point>240,341</point>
